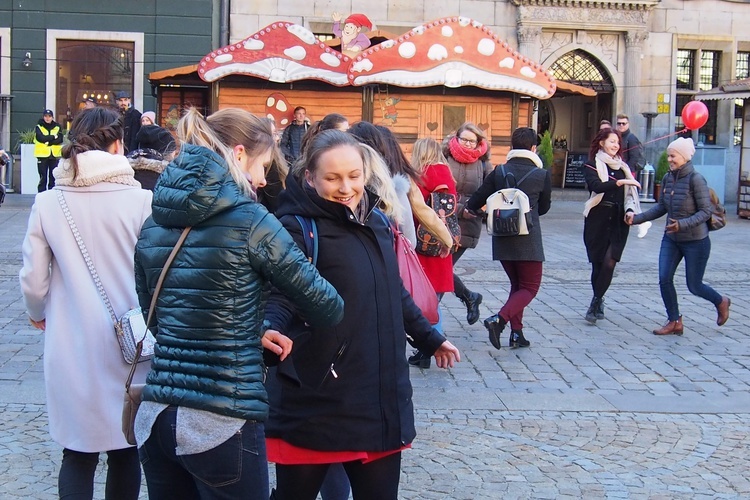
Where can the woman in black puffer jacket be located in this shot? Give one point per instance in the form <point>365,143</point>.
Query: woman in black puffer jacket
<point>200,428</point>
<point>686,201</point>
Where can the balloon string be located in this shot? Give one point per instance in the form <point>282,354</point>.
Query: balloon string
<point>658,138</point>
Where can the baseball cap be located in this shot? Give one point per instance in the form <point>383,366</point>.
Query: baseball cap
<point>122,94</point>
<point>48,112</point>
<point>90,99</point>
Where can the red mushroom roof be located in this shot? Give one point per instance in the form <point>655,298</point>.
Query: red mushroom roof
<point>454,52</point>
<point>281,52</point>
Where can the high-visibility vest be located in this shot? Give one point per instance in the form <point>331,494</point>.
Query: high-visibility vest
<point>41,150</point>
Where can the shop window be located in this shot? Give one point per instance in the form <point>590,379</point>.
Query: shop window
<point>689,81</point>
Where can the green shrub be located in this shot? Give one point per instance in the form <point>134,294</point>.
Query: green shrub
<point>25,137</point>
<point>545,150</point>
<point>662,167</point>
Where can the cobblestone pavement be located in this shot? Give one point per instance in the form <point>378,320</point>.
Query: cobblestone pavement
<point>604,411</point>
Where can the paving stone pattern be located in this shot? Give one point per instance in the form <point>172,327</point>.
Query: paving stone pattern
<point>604,411</point>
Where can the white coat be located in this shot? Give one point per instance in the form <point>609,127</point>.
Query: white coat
<point>84,370</point>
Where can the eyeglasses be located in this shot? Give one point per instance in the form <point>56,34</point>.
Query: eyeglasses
<point>468,142</point>
<point>621,123</point>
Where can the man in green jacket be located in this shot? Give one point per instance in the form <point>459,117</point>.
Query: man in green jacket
<point>47,149</point>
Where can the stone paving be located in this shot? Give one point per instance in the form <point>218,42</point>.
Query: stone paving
<point>604,411</point>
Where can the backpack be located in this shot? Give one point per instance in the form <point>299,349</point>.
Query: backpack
<point>718,217</point>
<point>2,193</point>
<point>508,210</point>
<point>310,232</point>
<point>444,205</point>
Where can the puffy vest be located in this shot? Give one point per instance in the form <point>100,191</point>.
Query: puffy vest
<point>42,150</point>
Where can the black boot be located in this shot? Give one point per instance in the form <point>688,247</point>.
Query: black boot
<point>518,340</point>
<point>600,309</point>
<point>591,312</point>
<point>420,360</point>
<point>495,325</point>
<point>471,300</point>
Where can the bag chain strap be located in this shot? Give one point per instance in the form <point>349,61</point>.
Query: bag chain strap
<point>86,256</point>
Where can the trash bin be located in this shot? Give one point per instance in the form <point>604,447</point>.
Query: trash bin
<point>646,178</point>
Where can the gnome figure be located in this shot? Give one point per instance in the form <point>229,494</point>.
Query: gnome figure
<point>353,40</point>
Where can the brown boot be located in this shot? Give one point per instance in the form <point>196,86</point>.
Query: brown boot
<point>723,311</point>
<point>671,328</point>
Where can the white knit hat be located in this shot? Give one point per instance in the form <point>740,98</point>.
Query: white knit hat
<point>683,146</point>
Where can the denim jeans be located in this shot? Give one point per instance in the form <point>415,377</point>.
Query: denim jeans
<point>237,468</point>
<point>696,255</point>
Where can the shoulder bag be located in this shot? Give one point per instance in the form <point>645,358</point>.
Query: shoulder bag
<point>444,204</point>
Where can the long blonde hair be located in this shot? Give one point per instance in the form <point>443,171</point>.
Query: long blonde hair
<point>223,130</point>
<point>426,151</point>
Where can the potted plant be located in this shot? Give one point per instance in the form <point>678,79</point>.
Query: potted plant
<point>29,170</point>
<point>545,150</point>
<point>662,167</point>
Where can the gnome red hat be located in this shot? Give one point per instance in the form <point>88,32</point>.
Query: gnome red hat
<point>359,20</point>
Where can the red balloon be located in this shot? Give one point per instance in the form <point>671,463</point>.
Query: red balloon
<point>694,115</point>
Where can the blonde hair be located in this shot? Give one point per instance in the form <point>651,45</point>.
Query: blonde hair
<point>224,130</point>
<point>426,151</point>
<point>377,175</point>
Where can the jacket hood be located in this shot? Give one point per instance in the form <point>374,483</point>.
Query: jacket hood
<point>299,198</point>
<point>194,187</point>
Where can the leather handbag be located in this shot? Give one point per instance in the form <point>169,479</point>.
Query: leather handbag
<point>133,392</point>
<point>444,205</point>
<point>412,274</point>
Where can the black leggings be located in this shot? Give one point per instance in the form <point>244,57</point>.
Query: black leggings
<point>376,480</point>
<point>76,480</point>
<point>458,286</point>
<point>602,273</point>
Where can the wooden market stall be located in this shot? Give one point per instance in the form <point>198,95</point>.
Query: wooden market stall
<point>424,83</point>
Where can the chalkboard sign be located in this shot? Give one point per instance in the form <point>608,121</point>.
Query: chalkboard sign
<point>574,170</point>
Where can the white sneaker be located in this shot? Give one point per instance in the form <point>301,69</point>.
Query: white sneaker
<point>643,229</point>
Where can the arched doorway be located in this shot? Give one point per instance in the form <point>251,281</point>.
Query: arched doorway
<point>575,117</point>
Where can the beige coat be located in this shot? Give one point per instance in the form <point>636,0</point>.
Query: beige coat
<point>84,370</point>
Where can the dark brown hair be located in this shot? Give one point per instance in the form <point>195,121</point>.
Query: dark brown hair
<point>93,129</point>
<point>602,135</point>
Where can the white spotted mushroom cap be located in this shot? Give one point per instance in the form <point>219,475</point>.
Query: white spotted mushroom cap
<point>454,52</point>
<point>281,52</point>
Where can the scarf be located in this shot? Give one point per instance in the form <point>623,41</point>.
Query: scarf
<point>603,160</point>
<point>463,154</point>
<point>525,153</point>
<point>95,166</point>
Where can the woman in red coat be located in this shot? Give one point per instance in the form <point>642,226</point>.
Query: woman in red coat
<point>435,175</point>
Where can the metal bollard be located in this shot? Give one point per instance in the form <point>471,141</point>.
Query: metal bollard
<point>646,178</point>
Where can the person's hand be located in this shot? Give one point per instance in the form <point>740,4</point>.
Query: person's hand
<point>467,214</point>
<point>629,218</point>
<point>444,251</point>
<point>673,226</point>
<point>446,355</point>
<point>628,182</point>
<point>39,325</point>
<point>336,17</point>
<point>277,342</point>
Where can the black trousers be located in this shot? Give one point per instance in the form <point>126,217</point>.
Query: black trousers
<point>45,167</point>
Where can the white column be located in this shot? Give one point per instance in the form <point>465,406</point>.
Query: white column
<point>633,42</point>
<point>528,41</point>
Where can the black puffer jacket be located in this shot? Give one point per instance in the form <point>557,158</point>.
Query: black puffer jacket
<point>685,200</point>
<point>211,307</point>
<point>367,406</point>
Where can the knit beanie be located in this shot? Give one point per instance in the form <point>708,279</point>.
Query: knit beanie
<point>683,146</point>
<point>151,116</point>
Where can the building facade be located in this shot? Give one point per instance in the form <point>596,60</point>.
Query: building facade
<point>644,58</point>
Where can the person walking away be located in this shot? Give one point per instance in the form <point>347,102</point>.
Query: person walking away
<point>632,149</point>
<point>48,141</point>
<point>84,369</point>
<point>605,231</point>
<point>200,427</point>
<point>468,155</point>
<point>522,257</point>
<point>346,395</point>
<point>685,200</point>
<point>291,138</point>
<point>131,118</point>
<point>156,148</point>
<point>435,176</point>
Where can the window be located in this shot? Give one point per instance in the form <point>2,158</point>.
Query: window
<point>742,71</point>
<point>580,68</point>
<point>689,81</point>
<point>743,66</point>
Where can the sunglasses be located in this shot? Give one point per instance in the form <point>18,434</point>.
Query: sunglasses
<point>621,123</point>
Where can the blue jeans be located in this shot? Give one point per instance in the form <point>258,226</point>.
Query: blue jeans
<point>696,255</point>
<point>237,468</point>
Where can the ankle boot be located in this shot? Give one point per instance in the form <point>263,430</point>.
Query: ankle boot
<point>495,325</point>
<point>518,340</point>
<point>420,360</point>
<point>599,313</point>
<point>591,312</point>
<point>671,328</point>
<point>471,300</point>
<point>723,311</point>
